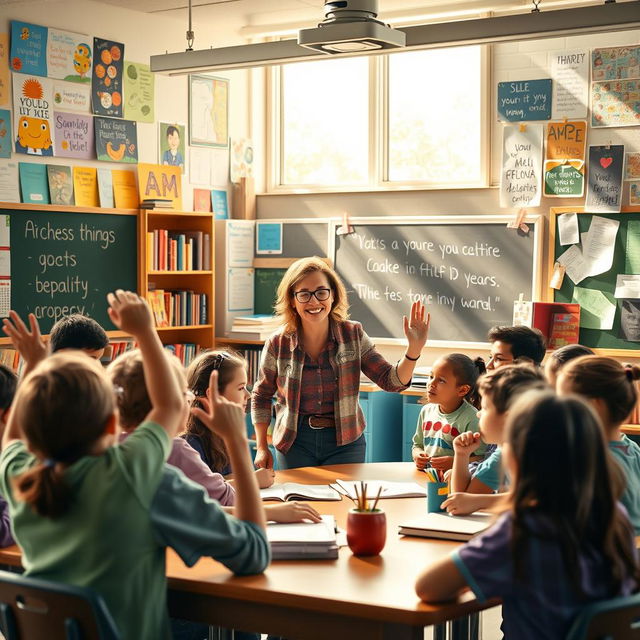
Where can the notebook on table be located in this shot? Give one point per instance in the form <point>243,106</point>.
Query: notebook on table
<point>295,491</point>
<point>303,540</point>
<point>447,527</point>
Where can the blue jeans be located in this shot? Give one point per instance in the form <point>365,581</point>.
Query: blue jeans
<point>318,447</point>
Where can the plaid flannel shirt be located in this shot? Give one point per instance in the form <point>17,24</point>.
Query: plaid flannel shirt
<point>281,374</point>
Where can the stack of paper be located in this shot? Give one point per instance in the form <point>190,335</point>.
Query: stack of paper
<point>442,525</point>
<point>303,540</point>
<point>254,327</point>
<point>388,489</point>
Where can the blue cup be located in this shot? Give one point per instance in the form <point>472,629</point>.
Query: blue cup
<point>437,493</point>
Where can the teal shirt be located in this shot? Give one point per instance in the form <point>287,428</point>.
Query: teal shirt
<point>128,507</point>
<point>627,453</point>
<point>490,472</point>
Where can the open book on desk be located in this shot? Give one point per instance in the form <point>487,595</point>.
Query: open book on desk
<point>294,491</point>
<point>389,489</point>
<point>303,540</point>
<point>442,525</point>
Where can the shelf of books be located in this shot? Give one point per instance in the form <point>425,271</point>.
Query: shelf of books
<point>178,278</point>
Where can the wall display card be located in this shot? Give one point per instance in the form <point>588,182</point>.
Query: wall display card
<point>597,308</point>
<point>202,200</point>
<point>630,320</point>
<point>632,252</point>
<point>172,144</point>
<point>566,140</point>
<point>219,204</point>
<point>125,189</point>
<point>570,75</point>
<point>69,56</point>
<point>521,175</point>
<point>160,181</point>
<point>28,48</point>
<point>268,238</point>
<point>564,178</point>
<point>574,263</point>
<point>85,186</point>
<point>614,63</point>
<point>604,186</point>
<point>71,96</point>
<point>6,141</point>
<point>241,165</point>
<point>240,243</point>
<point>524,100</point>
<point>60,184</point>
<point>632,166</point>
<point>240,284</point>
<point>598,245</point>
<point>5,81</point>
<point>208,111</point>
<point>106,79</point>
<point>568,228</point>
<point>105,188</point>
<point>627,286</point>
<point>139,87</point>
<point>199,166</point>
<point>634,194</point>
<point>220,168</point>
<point>615,104</point>
<point>34,185</point>
<point>9,182</point>
<point>116,140</point>
<point>74,135</point>
<point>32,115</point>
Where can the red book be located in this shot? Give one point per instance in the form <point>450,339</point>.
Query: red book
<point>565,329</point>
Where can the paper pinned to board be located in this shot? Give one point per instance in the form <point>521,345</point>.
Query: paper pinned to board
<point>568,228</point>
<point>599,247</point>
<point>574,263</point>
<point>627,286</point>
<point>597,308</point>
<point>557,277</point>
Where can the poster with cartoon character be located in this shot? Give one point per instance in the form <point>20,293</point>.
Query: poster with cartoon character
<point>32,115</point>
<point>69,56</point>
<point>106,79</point>
<point>28,48</point>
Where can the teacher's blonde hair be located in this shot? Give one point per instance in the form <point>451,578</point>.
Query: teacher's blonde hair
<point>297,271</point>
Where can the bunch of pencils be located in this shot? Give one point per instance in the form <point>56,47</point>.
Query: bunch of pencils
<point>361,501</point>
<point>434,475</point>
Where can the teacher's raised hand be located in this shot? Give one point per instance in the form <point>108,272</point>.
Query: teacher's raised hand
<point>416,329</point>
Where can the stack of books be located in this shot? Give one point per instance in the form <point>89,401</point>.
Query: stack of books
<point>255,327</point>
<point>156,203</point>
<point>178,250</point>
<point>178,308</point>
<point>303,540</point>
<point>116,348</point>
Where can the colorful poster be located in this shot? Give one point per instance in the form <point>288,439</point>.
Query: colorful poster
<point>85,186</point>
<point>28,48</point>
<point>116,140</point>
<point>33,183</point>
<point>171,144</point>
<point>615,104</point>
<point>615,63</point>
<point>106,79</point>
<point>125,189</point>
<point>71,96</point>
<point>74,135</point>
<point>105,188</point>
<point>160,181</point>
<point>524,100</point>
<point>33,115</point>
<point>138,92</point>
<point>632,166</point>
<point>564,178</point>
<point>604,187</point>
<point>570,75</point>
<point>202,200</point>
<point>5,86</point>
<point>566,140</point>
<point>219,204</point>
<point>60,184</point>
<point>69,56</point>
<point>6,141</point>
<point>241,164</point>
<point>208,111</point>
<point>634,194</point>
<point>521,176</point>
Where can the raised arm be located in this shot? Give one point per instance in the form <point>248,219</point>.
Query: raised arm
<point>416,330</point>
<point>29,344</point>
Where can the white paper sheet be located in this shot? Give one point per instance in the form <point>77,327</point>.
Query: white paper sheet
<point>240,243</point>
<point>574,263</point>
<point>200,166</point>
<point>627,286</point>
<point>568,228</point>
<point>600,245</point>
<point>9,190</point>
<point>240,290</point>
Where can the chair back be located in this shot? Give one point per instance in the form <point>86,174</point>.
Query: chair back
<point>615,619</point>
<point>34,609</point>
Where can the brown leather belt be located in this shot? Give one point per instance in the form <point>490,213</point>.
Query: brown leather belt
<point>321,422</point>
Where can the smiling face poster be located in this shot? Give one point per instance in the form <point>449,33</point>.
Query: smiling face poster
<point>106,78</point>
<point>32,113</point>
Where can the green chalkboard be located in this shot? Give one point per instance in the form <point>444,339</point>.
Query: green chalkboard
<point>266,285</point>
<point>605,282</point>
<point>63,262</point>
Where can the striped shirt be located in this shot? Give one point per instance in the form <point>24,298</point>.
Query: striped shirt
<point>280,374</point>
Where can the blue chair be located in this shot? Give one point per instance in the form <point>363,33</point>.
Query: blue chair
<point>615,619</point>
<point>33,609</point>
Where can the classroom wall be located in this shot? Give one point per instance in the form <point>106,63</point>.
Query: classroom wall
<point>143,34</point>
<point>510,61</point>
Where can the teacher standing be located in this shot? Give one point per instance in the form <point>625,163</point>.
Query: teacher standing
<point>312,365</point>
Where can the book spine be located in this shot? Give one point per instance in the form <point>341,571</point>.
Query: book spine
<point>206,252</point>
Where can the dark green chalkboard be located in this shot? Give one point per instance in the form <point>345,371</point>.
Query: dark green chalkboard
<point>88,255</point>
<point>266,285</point>
<point>386,264</point>
<point>605,282</point>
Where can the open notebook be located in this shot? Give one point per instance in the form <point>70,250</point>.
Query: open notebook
<point>294,491</point>
<point>442,525</point>
<point>389,489</point>
<point>308,540</point>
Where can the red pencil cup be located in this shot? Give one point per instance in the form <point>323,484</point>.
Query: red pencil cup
<point>366,532</point>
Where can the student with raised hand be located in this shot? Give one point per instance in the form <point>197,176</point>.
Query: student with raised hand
<point>564,541</point>
<point>66,481</point>
<point>610,388</point>
<point>313,366</point>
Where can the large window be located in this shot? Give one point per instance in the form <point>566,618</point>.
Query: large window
<point>411,119</point>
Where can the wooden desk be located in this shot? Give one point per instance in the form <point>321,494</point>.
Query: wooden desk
<point>341,599</point>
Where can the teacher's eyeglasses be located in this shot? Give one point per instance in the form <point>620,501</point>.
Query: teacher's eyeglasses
<point>320,294</point>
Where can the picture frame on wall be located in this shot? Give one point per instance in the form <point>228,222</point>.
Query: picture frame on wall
<point>208,111</point>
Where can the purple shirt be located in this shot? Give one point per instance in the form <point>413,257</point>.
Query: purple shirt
<point>186,458</point>
<point>543,606</point>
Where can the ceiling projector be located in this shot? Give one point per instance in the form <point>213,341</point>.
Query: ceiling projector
<point>351,26</point>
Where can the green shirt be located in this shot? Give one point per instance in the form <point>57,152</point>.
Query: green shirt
<point>128,507</point>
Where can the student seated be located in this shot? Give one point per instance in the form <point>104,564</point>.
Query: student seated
<point>79,332</point>
<point>71,488</point>
<point>499,389</point>
<point>512,343</point>
<point>610,389</point>
<point>8,384</point>
<point>558,358</point>
<point>564,542</point>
